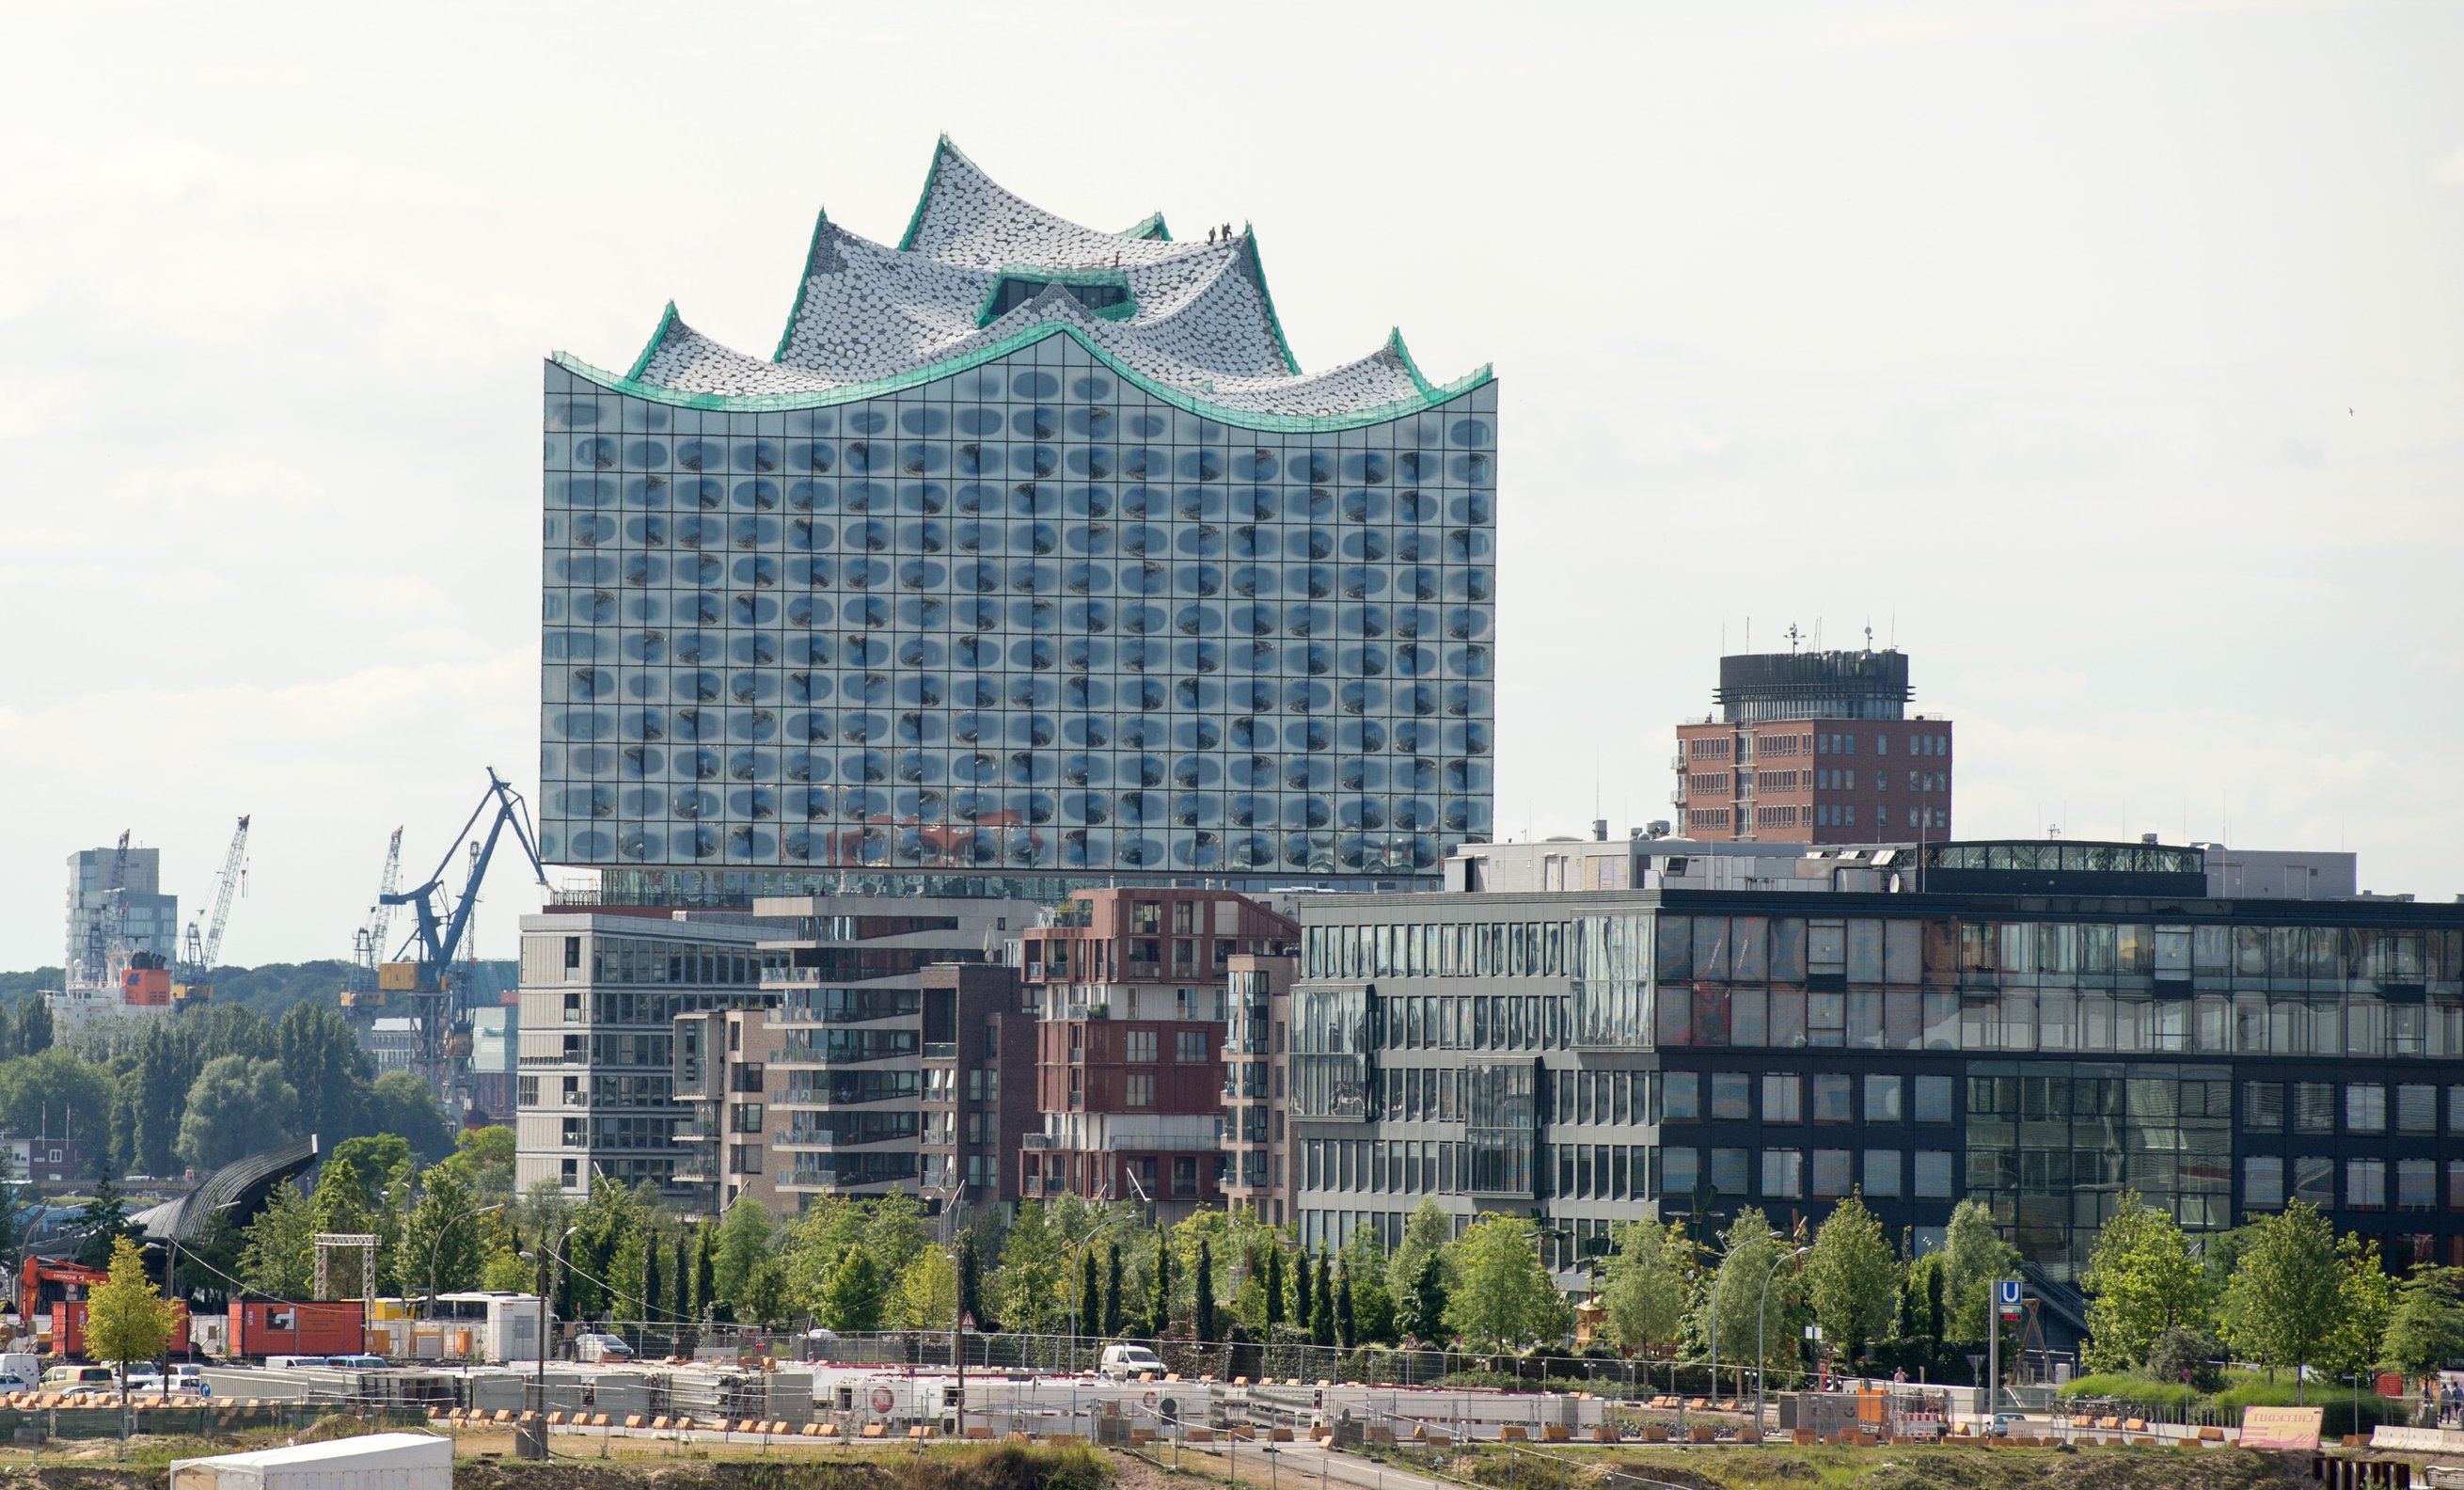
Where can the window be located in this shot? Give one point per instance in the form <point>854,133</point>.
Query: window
<point>1678,1174</point>
<point>2314,1181</point>
<point>1140,1090</point>
<point>2366,1184</point>
<point>1934,1100</point>
<point>1932,1174</point>
<point>1189,1047</point>
<point>1832,1098</point>
<point>1834,1173</point>
<point>1681,1099</point>
<point>2416,1109</point>
<point>2262,1182</point>
<point>1732,1097</point>
<point>1783,1099</point>
<point>1884,1095</point>
<point>1729,1171</point>
<point>1882,1174</point>
<point>1783,1174</point>
<point>2416,1185</point>
<point>2455,1110</point>
<point>2365,1107</point>
<point>1141,1047</point>
<point>2262,1109</point>
<point>2314,1107</point>
<point>2455,1184</point>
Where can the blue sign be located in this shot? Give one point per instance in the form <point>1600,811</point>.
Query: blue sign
<point>2009,1290</point>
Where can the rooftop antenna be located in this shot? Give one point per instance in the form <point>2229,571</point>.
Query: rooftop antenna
<point>1749,633</point>
<point>1869,634</point>
<point>1895,631</point>
<point>1793,635</point>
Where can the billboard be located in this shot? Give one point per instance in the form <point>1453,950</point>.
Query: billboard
<point>2280,1427</point>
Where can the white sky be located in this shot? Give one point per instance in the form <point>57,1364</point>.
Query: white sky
<point>2027,332</point>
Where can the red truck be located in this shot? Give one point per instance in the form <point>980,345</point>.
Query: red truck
<point>261,1327</point>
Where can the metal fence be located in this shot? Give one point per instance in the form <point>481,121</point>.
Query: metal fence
<point>107,1422</point>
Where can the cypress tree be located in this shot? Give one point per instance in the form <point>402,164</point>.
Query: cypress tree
<point>1301,1291</point>
<point>680,1301</point>
<point>1160,1316</point>
<point>650,1280</point>
<point>1345,1332</point>
<point>1321,1306</point>
<point>1091,1295</point>
<point>1202,1299</point>
<point>971,1280</point>
<point>706,1271</point>
<point>1115,1307</point>
<point>1274,1287</point>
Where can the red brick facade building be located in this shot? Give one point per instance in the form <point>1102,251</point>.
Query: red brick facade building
<point>1814,747</point>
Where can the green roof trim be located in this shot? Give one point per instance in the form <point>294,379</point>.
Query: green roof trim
<point>1112,277</point>
<point>667,320</point>
<point>1238,418</point>
<point>1394,345</point>
<point>1274,322</point>
<point>924,199</point>
<point>1151,226</point>
<point>803,281</point>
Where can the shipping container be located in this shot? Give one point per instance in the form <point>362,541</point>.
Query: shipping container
<point>68,1327</point>
<point>273,1326</point>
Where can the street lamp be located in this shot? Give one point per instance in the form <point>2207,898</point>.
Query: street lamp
<point>546,1251</point>
<point>436,1248</point>
<point>1761,1352</point>
<point>1077,1295</point>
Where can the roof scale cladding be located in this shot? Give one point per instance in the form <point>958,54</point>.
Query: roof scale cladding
<point>1200,331</point>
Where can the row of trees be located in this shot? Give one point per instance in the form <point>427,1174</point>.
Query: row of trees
<point>207,1088</point>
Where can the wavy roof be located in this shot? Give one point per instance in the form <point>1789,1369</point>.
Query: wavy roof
<point>1198,325</point>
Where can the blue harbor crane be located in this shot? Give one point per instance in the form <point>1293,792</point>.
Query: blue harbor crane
<point>424,969</point>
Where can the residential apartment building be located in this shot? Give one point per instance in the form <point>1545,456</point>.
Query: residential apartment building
<point>978,1085</point>
<point>724,1084</point>
<point>1257,1109</point>
<point>1132,986</point>
<point>1814,747</point>
<point>601,993</point>
<point>2044,1026</point>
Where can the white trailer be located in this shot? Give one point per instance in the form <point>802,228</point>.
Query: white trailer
<point>378,1462</point>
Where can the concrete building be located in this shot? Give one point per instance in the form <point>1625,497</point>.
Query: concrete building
<point>1132,986</point>
<point>601,993</point>
<point>723,1083</point>
<point>2041,1039</point>
<point>1029,562</point>
<point>978,1085</point>
<point>109,918</point>
<point>1814,747</point>
<point>1257,1108</point>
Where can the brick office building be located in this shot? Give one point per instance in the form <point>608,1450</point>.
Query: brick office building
<point>1814,747</point>
<point>979,1100</point>
<point>1131,989</point>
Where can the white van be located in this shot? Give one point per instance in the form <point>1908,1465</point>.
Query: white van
<point>1123,1361</point>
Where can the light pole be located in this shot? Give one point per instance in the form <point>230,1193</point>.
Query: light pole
<point>1762,1351</point>
<point>436,1247</point>
<point>1077,1295</point>
<point>547,1251</point>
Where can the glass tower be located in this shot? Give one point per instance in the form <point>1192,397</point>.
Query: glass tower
<point>1029,552</point>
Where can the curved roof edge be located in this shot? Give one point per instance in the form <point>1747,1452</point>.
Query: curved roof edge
<point>651,347</point>
<point>1274,322</point>
<point>1151,226</point>
<point>1431,396</point>
<point>1394,345</point>
<point>804,281</point>
<point>924,198</point>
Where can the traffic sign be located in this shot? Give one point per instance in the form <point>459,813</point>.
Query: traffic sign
<point>2007,1292</point>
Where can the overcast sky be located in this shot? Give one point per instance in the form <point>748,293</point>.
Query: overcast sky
<point>2109,357</point>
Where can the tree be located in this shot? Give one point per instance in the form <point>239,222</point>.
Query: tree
<point>399,1104</point>
<point>2286,1298</point>
<point>1646,1298</point>
<point>706,1269</point>
<point>1347,1325</point>
<point>1274,1301</point>
<point>1089,1315</point>
<point>322,1060</point>
<point>443,1237</point>
<point>1030,1289</point>
<point>853,1302</point>
<point>1754,1296</point>
<point>745,1235</point>
<point>1202,1300</point>
<point>2141,1280</point>
<point>2180,1354</point>
<point>1424,1303</point>
<point>1852,1277</point>
<point>2367,1295</point>
<point>235,1108</point>
<point>1114,1304</point>
<point>1426,1232</point>
<point>1920,1311</point>
<point>1321,1314</point>
<point>1159,1314</point>
<point>277,1258</point>
<point>2424,1330</point>
<point>1973,1255</point>
<point>1503,1298</point>
<point>54,1092</point>
<point>1373,1297</point>
<point>971,1280</point>
<point>928,1292</point>
<point>125,1319</point>
<point>1301,1299</point>
<point>101,1224</point>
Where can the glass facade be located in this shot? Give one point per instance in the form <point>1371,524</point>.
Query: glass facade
<point>1023,617</point>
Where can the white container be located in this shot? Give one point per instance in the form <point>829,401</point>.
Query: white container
<point>379,1461</point>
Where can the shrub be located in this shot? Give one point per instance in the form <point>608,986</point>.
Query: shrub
<point>2185,1355</point>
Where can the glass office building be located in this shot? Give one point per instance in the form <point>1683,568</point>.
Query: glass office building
<point>1589,1056</point>
<point>1029,558</point>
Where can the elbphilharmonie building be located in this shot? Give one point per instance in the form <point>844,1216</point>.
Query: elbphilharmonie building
<point>1030,557</point>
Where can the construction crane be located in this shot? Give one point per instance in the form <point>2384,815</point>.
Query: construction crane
<point>369,943</point>
<point>440,992</point>
<point>201,953</point>
<point>94,964</point>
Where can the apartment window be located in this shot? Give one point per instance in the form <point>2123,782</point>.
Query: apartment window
<point>2365,1107</point>
<point>1933,1102</point>
<point>1189,1047</point>
<point>1729,1171</point>
<point>1883,1099</point>
<point>526,1092</point>
<point>1680,1171</point>
<point>1139,1092</point>
<point>1834,1173</point>
<point>2262,1108</point>
<point>1783,1099</point>
<point>2314,1107</point>
<point>2366,1184</point>
<point>1882,1174</point>
<point>2262,1182</point>
<point>2314,1181</point>
<point>2416,1185</point>
<point>1681,1097</point>
<point>1783,1174</point>
<point>1732,1097</point>
<point>1832,1098</point>
<point>1932,1174</point>
<point>1141,1047</point>
<point>2416,1109</point>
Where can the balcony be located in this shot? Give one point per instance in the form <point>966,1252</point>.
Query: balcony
<point>1677,798</point>
<point>941,1050</point>
<point>696,1131</point>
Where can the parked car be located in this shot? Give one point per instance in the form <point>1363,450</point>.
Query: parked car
<point>357,1363</point>
<point>600,1347</point>
<point>188,1379</point>
<point>2004,1425</point>
<point>78,1378</point>
<point>1123,1361</point>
